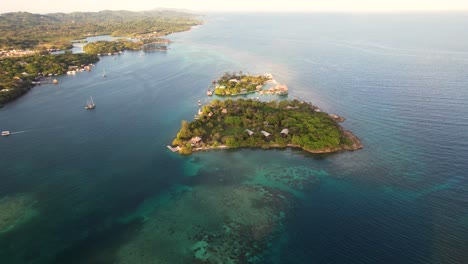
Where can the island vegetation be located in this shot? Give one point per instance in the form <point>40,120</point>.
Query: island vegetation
<point>251,123</point>
<point>239,83</point>
<point>104,47</point>
<point>111,47</point>
<point>22,30</point>
<point>234,84</point>
<point>19,74</point>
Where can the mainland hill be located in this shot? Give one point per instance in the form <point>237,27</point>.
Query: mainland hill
<point>22,30</point>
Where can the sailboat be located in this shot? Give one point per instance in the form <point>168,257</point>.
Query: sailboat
<point>104,73</point>
<point>90,104</point>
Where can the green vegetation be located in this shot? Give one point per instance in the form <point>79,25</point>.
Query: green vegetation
<point>104,47</point>
<point>274,124</point>
<point>17,74</point>
<point>21,30</point>
<point>234,84</point>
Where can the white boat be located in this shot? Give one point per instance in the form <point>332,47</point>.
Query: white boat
<point>90,104</point>
<point>104,73</point>
<point>5,133</point>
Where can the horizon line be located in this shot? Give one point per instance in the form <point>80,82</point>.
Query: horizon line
<point>199,12</point>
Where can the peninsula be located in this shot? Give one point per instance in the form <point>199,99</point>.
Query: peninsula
<point>19,74</point>
<point>276,124</point>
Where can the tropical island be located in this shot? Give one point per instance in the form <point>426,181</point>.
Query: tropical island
<point>276,124</point>
<point>104,47</point>
<point>232,84</point>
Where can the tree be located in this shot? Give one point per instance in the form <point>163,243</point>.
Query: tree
<point>184,132</point>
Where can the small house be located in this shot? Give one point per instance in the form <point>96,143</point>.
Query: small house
<point>224,111</point>
<point>250,132</point>
<point>285,132</point>
<point>195,140</point>
<point>266,134</point>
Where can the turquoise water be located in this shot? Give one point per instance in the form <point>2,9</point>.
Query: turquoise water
<point>101,187</point>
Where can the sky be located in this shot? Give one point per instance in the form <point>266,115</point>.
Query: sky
<point>53,6</point>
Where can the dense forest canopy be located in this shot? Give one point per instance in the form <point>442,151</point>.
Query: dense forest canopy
<point>22,30</point>
<point>251,123</point>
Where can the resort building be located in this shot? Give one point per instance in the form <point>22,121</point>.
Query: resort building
<point>195,140</point>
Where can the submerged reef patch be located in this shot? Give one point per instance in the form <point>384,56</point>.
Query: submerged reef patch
<point>15,210</point>
<point>215,224</point>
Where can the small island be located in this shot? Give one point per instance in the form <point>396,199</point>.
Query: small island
<point>104,47</point>
<point>233,84</point>
<point>276,124</point>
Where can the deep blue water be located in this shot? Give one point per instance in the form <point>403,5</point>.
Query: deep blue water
<point>102,180</point>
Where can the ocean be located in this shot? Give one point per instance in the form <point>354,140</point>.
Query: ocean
<point>100,186</point>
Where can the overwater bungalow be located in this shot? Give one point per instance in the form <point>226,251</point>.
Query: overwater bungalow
<point>281,89</point>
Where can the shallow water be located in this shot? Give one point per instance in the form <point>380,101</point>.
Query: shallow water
<point>105,189</point>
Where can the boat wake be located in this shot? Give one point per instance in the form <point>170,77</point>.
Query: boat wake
<point>18,132</point>
<point>32,130</point>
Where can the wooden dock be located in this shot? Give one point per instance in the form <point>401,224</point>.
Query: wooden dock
<point>176,149</point>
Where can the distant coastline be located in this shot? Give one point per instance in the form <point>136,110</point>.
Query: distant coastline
<point>22,50</point>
